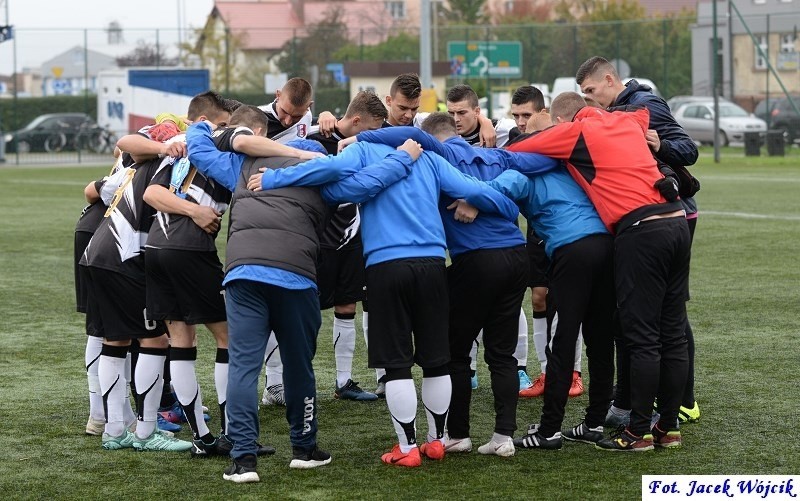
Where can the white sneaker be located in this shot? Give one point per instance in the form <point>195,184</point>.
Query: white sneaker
<point>458,444</point>
<point>273,395</point>
<point>95,427</point>
<point>504,449</point>
<point>380,390</point>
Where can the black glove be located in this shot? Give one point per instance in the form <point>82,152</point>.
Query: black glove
<point>668,185</point>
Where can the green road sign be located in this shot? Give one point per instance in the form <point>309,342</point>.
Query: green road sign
<point>479,59</point>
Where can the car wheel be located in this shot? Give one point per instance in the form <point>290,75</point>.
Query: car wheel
<point>723,138</point>
<point>23,147</point>
<point>55,142</point>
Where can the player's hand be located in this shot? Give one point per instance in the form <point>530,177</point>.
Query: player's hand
<point>668,185</point>
<point>254,183</point>
<point>488,136</point>
<point>464,212</point>
<point>207,218</point>
<point>326,122</point>
<point>652,139</point>
<point>175,150</point>
<point>413,148</point>
<point>344,143</point>
<point>539,121</point>
<point>308,155</point>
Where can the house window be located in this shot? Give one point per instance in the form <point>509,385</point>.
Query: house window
<point>761,62</point>
<point>509,5</point>
<point>396,9</point>
<point>759,2</point>
<point>787,43</point>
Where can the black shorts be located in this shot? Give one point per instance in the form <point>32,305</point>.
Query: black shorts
<point>539,262</point>
<point>185,286</point>
<point>116,303</point>
<point>81,241</point>
<point>340,277</point>
<point>408,297</point>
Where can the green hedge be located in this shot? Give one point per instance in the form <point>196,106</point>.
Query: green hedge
<point>15,115</point>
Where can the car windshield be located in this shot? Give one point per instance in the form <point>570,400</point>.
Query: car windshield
<point>731,110</point>
<point>37,121</point>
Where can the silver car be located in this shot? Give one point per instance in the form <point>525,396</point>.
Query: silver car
<point>697,119</point>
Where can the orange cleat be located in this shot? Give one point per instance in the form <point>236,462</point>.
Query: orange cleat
<point>576,389</point>
<point>432,450</point>
<point>536,389</point>
<point>410,459</point>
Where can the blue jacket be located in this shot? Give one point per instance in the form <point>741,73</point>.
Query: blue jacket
<point>555,206</point>
<point>399,219</point>
<point>489,231</point>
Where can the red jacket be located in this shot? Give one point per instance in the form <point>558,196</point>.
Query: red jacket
<point>608,156</point>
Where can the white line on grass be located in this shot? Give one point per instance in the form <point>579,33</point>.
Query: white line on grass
<point>747,179</point>
<point>46,183</point>
<point>746,215</point>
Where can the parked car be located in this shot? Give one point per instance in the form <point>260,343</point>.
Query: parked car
<point>781,117</point>
<point>675,102</point>
<point>697,119</point>
<point>51,132</point>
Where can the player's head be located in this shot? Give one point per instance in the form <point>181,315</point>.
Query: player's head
<point>565,106</point>
<point>293,101</point>
<point>462,104</point>
<point>251,117</point>
<point>599,80</point>
<point>403,99</point>
<point>440,125</point>
<point>365,112</point>
<point>526,102</point>
<point>209,106</point>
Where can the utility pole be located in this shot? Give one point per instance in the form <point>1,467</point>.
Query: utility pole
<point>714,83</point>
<point>425,65</point>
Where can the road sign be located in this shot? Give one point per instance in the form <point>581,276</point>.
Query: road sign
<point>479,59</point>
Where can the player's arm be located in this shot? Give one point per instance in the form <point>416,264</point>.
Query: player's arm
<point>365,184</point>
<point>529,164</point>
<point>223,167</point>
<point>674,146</point>
<point>316,172</point>
<point>260,146</point>
<point>142,149</point>
<point>556,142</point>
<point>162,200</point>
<point>92,191</point>
<point>395,136</point>
<point>475,192</point>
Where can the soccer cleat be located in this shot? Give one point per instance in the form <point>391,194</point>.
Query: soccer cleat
<point>305,459</point>
<point>159,442</point>
<point>176,415</point>
<point>433,450</point>
<point>273,395</point>
<point>124,441</point>
<point>380,390</point>
<point>410,459</point>
<point>685,414</point>
<point>536,389</point>
<point>535,440</point>
<point>524,380</point>
<point>617,417</point>
<point>583,433</point>
<point>576,389</point>
<point>225,446</point>
<point>351,391</point>
<point>625,441</point>
<point>667,439</point>
<point>504,449</point>
<point>95,427</point>
<point>458,444</point>
<point>242,470</point>
<point>473,381</point>
<point>164,425</point>
<point>201,449</point>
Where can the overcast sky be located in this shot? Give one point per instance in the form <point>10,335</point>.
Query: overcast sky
<point>46,28</point>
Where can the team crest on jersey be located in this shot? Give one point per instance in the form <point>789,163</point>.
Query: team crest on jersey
<point>301,130</point>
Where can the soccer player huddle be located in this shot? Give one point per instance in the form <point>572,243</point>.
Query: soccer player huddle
<point>329,212</point>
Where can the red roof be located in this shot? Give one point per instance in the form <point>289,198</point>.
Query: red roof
<point>667,6</point>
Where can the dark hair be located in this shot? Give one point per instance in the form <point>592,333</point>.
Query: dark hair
<point>592,66</point>
<point>407,84</point>
<point>566,105</point>
<point>208,104</point>
<point>439,123</point>
<point>298,90</point>
<point>529,94</point>
<point>231,105</point>
<point>249,116</point>
<point>367,104</point>
<point>462,92</point>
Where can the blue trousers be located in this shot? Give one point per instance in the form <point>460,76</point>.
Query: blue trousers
<point>254,309</point>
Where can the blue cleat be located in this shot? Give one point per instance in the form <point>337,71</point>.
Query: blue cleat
<point>351,391</point>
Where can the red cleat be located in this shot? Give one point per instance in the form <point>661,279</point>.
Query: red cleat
<point>410,459</point>
<point>433,450</point>
<point>576,389</point>
<point>536,389</point>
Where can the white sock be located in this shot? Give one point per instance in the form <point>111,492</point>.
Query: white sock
<point>379,373</point>
<point>274,363</point>
<point>473,352</point>
<point>149,378</point>
<point>540,339</point>
<point>521,353</point>
<point>401,398</point>
<point>130,415</point>
<point>184,382</point>
<point>111,373</point>
<point>92,358</point>
<point>221,385</point>
<point>436,392</point>
<point>579,350</point>
<point>344,345</point>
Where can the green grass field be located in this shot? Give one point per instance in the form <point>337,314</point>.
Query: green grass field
<point>745,287</point>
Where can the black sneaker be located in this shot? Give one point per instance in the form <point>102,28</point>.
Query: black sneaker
<point>583,433</point>
<point>535,440</point>
<point>224,446</point>
<point>625,441</point>
<point>351,391</point>
<point>242,470</point>
<point>201,449</point>
<point>302,458</point>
